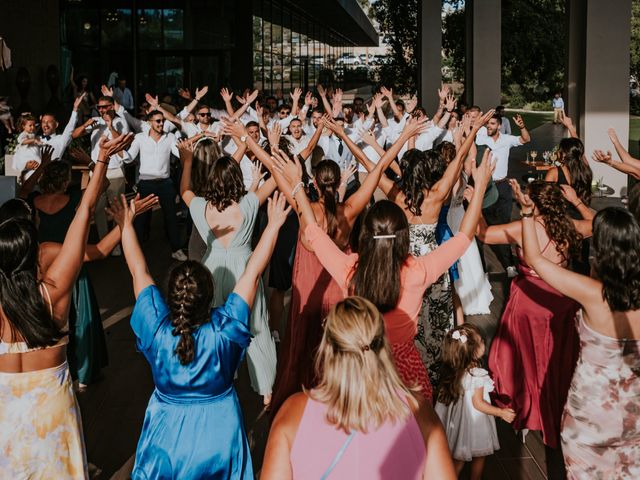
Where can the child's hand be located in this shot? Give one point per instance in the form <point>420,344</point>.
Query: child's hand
<point>32,165</point>
<point>508,415</point>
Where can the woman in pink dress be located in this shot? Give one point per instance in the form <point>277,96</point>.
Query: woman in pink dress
<point>601,421</point>
<point>314,291</point>
<point>383,271</point>
<point>360,421</point>
<point>536,347</point>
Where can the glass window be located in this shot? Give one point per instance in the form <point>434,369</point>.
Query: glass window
<point>173,28</point>
<point>82,28</point>
<point>266,42</point>
<point>115,27</point>
<point>150,29</point>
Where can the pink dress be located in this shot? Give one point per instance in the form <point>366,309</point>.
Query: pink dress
<point>601,422</point>
<point>401,323</point>
<point>392,451</point>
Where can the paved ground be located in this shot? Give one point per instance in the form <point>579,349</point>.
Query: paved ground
<point>113,409</point>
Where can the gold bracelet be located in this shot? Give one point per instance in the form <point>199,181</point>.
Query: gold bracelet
<point>526,215</point>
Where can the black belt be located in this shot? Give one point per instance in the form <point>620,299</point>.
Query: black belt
<point>502,180</point>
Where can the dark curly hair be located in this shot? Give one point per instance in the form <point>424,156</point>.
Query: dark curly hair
<point>380,260</point>
<point>55,177</point>
<point>571,152</point>
<point>457,359</point>
<point>225,184</point>
<point>421,174</point>
<point>551,206</point>
<point>190,297</point>
<point>616,241</point>
<point>447,151</point>
<point>411,155</point>
<point>327,176</point>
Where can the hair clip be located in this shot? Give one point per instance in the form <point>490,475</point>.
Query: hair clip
<point>383,237</point>
<point>366,348</point>
<point>461,337</point>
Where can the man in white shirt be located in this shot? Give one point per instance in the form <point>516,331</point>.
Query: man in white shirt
<point>155,147</point>
<point>500,145</point>
<point>49,125</point>
<point>296,136</point>
<point>335,149</point>
<point>505,126</point>
<point>108,125</point>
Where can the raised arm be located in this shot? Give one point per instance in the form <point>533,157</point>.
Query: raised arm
<point>568,124</point>
<point>624,167</point>
<point>308,150</point>
<point>185,148</point>
<point>30,183</point>
<point>62,273</point>
<point>524,133</point>
<point>624,155</point>
<point>582,289</point>
<point>155,105</point>
<point>388,93</point>
<point>247,285</point>
<point>323,95</point>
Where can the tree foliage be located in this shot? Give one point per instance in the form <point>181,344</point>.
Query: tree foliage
<point>635,38</point>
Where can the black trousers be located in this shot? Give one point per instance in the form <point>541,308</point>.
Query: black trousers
<point>166,193</point>
<point>498,214</point>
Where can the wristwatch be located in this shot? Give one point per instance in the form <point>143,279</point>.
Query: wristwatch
<point>243,138</point>
<point>526,214</point>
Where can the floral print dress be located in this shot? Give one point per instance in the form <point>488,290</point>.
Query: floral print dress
<point>601,423</point>
<point>436,316</point>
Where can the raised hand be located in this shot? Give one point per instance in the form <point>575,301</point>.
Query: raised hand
<point>106,91</point>
<point>291,170</point>
<point>78,101</point>
<point>116,144</point>
<point>233,128</point>
<point>413,126</point>
<point>251,97</point>
<point>482,173</point>
<point>185,149</point>
<point>117,208</point>
<point>348,173</point>
<point>337,95</point>
<point>308,99</point>
<point>468,193</point>
<point>273,135</point>
<point>321,90</point>
<point>152,101</point>
<point>524,200</point>
<point>465,124</point>
<point>368,137</point>
<point>46,154</point>
<point>200,93</point>
<point>613,136</point>
<point>566,121</point>
<point>387,92</point>
<point>570,194</point>
<point>185,93</point>
<point>482,119</point>
<point>602,157</point>
<point>450,102</point>
<point>277,209</point>
<point>329,123</point>
<point>226,95</point>
<point>443,92</point>
<point>519,121</point>
<point>378,100</point>
<point>371,108</point>
<point>241,100</point>
<point>79,155</point>
<point>256,175</point>
<point>295,95</point>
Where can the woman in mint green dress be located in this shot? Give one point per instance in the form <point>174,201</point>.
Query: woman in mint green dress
<point>225,218</point>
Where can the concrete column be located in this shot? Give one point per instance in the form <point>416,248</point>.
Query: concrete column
<point>430,53</point>
<point>484,57</point>
<point>600,34</point>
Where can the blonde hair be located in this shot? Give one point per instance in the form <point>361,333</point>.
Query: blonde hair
<point>458,357</point>
<point>358,380</point>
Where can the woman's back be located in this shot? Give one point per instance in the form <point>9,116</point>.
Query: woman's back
<point>392,451</point>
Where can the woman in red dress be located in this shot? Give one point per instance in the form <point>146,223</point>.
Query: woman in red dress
<point>536,348</point>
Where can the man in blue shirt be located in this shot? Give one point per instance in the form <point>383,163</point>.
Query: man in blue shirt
<point>558,108</point>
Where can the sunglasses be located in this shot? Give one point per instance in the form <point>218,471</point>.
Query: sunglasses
<point>102,107</point>
<point>285,112</point>
<point>206,114</point>
<point>158,121</point>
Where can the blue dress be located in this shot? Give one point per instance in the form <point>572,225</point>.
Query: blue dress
<point>193,426</point>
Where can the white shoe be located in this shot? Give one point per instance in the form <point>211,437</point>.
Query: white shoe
<point>512,272</point>
<point>179,255</point>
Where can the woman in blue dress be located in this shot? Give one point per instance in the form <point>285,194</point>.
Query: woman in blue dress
<point>193,426</point>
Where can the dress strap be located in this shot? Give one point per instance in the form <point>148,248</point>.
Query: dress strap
<point>338,456</point>
<point>45,293</point>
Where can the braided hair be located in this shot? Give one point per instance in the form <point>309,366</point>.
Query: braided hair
<point>190,297</point>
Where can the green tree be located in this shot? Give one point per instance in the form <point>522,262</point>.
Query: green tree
<point>635,38</point>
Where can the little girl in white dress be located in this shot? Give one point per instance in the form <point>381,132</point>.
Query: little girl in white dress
<point>463,403</point>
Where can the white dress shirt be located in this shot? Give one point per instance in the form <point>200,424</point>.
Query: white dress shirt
<point>298,145</point>
<point>60,142</point>
<point>155,157</point>
<point>101,130</point>
<point>500,148</point>
<point>424,141</point>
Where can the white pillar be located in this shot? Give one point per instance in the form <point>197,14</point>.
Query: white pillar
<point>484,56</point>
<point>430,53</point>
<point>599,77</point>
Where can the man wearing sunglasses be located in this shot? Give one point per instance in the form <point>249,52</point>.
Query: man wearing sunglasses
<point>110,125</point>
<point>154,146</point>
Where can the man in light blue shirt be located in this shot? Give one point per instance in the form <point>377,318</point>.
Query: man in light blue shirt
<point>558,108</point>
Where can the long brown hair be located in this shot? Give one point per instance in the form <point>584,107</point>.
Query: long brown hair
<point>190,297</point>
<point>383,247</point>
<point>458,357</point>
<point>571,152</point>
<point>549,201</point>
<point>205,155</point>
<point>420,175</point>
<point>358,381</point>
<point>327,177</point>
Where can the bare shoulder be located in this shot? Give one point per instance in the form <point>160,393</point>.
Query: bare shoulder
<point>290,414</point>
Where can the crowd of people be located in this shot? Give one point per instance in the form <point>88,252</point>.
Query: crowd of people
<point>374,214</point>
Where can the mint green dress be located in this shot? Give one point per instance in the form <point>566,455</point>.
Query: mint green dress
<point>227,265</point>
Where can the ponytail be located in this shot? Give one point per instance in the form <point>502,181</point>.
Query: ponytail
<point>327,177</point>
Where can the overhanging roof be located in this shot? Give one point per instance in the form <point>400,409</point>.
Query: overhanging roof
<point>344,19</point>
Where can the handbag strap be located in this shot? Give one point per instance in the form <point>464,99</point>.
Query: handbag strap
<point>338,456</point>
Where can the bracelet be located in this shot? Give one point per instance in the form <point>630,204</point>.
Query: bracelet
<point>102,161</point>
<point>578,204</point>
<point>526,215</point>
<point>296,189</point>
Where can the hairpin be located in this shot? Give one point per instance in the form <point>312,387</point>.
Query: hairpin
<point>383,237</point>
<point>461,337</point>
